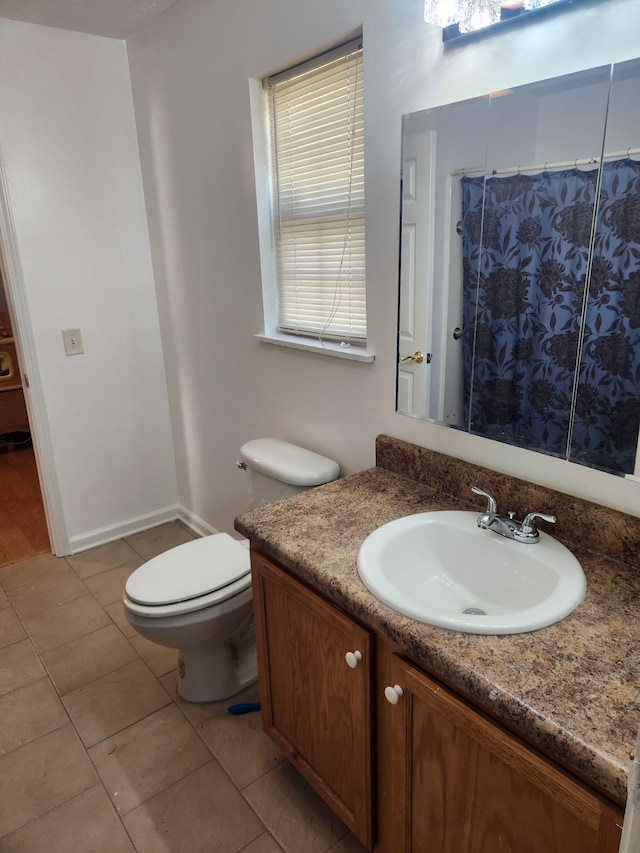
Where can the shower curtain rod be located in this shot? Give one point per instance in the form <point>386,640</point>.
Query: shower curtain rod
<point>565,164</point>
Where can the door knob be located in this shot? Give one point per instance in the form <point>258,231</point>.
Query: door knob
<point>418,357</point>
<point>353,659</point>
<point>393,694</point>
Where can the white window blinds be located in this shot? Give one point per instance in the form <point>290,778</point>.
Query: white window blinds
<point>317,155</point>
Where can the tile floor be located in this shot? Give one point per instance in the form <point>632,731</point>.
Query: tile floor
<point>98,754</point>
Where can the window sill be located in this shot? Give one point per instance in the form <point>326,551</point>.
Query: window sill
<point>309,345</point>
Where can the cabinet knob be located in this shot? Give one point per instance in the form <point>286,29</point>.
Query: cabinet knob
<point>353,659</point>
<point>393,694</point>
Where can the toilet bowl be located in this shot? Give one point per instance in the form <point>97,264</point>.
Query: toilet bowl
<point>197,597</point>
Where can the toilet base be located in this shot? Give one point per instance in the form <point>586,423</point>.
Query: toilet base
<point>216,646</point>
<point>230,675</point>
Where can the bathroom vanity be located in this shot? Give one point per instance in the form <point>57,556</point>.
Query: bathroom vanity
<point>421,738</point>
<point>449,778</point>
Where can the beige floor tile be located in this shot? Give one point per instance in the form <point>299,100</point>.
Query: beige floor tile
<point>83,660</point>
<point>84,824</point>
<point>41,775</point>
<point>153,754</point>
<point>152,542</point>
<point>65,623</point>
<point>31,571</point>
<point>108,586</point>
<point>47,593</point>
<point>115,701</point>
<point>199,712</point>
<point>200,813</point>
<point>11,630</point>
<point>170,684</point>
<point>19,665</point>
<point>103,558</point>
<point>349,844</point>
<point>159,659</point>
<point>264,844</point>
<point>116,611</point>
<point>146,758</point>
<point>240,745</point>
<point>29,713</point>
<point>291,810</point>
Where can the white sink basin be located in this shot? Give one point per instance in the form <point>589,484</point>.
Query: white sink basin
<point>442,569</point>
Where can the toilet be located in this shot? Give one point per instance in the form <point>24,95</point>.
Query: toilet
<point>197,597</point>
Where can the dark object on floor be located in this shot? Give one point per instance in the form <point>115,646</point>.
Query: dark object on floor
<point>14,441</point>
<point>244,708</point>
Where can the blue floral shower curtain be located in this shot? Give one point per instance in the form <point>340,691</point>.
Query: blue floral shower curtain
<point>605,431</point>
<point>526,242</point>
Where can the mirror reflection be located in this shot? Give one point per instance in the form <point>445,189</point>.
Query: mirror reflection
<point>520,267</point>
<point>607,408</point>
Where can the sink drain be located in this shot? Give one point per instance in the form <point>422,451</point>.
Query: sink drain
<point>474,611</point>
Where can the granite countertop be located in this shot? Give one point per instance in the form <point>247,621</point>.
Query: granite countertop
<point>572,689</point>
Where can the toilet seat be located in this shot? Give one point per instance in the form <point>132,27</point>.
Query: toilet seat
<point>192,605</point>
<point>190,577</point>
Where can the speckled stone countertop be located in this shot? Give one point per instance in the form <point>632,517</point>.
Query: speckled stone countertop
<point>572,689</point>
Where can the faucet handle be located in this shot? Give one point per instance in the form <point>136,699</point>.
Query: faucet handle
<point>528,526</point>
<point>492,506</point>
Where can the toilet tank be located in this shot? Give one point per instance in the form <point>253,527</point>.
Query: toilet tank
<point>279,469</point>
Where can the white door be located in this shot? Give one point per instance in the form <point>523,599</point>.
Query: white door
<point>416,272</point>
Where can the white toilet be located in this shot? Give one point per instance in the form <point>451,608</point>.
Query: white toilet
<point>197,597</point>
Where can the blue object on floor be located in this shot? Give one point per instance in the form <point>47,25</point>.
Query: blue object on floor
<point>244,708</point>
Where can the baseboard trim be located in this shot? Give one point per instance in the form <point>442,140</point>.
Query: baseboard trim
<point>195,523</point>
<point>103,535</point>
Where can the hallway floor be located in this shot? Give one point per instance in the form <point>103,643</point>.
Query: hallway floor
<point>23,526</point>
<point>98,754</point>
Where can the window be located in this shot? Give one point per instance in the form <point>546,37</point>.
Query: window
<point>317,198</point>
<point>460,19</point>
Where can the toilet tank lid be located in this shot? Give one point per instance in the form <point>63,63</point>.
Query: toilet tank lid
<point>288,462</point>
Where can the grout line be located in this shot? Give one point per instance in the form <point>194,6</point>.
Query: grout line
<point>47,811</point>
<point>172,700</point>
<point>46,674</point>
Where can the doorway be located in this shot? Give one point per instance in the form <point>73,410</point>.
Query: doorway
<point>23,523</point>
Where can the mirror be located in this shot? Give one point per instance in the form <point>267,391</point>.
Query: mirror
<point>520,267</point>
<point>607,408</point>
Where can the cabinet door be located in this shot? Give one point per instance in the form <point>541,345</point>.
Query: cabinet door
<point>315,706</point>
<point>469,785</point>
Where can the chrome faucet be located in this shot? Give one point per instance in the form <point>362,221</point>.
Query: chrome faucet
<point>519,531</point>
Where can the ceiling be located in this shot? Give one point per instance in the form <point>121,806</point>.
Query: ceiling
<point>112,18</point>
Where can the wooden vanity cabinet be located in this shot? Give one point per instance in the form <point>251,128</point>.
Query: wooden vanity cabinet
<point>315,705</point>
<point>463,783</point>
<point>448,778</point>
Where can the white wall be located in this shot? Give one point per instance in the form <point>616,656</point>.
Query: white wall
<point>190,77</point>
<point>190,73</point>
<point>69,149</point>
<point>68,145</point>
<point>572,123</point>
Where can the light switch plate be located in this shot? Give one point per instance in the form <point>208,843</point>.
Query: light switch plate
<point>72,341</point>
